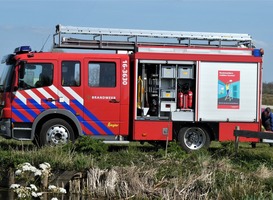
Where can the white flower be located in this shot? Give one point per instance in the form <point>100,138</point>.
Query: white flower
<point>62,190</point>
<point>38,172</point>
<point>18,172</point>
<point>25,168</point>
<point>48,165</point>
<point>54,198</point>
<point>44,166</point>
<point>22,195</point>
<point>26,164</point>
<point>38,194</point>
<point>28,167</point>
<point>52,187</point>
<point>32,169</point>
<point>34,194</point>
<point>28,188</point>
<point>14,186</point>
<point>33,187</point>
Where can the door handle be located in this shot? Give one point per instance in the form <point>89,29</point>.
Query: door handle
<point>114,101</point>
<point>50,99</point>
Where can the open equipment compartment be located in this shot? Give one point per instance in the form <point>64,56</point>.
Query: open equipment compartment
<point>165,90</point>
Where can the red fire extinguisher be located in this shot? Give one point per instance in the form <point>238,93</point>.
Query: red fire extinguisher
<point>190,94</point>
<point>180,100</point>
<point>186,106</point>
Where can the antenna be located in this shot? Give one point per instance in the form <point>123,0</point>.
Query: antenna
<point>44,43</point>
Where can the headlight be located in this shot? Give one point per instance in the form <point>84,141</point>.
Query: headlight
<point>3,127</point>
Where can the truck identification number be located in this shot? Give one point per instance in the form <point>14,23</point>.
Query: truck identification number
<point>124,72</point>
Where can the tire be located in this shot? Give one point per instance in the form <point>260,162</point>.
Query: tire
<point>55,132</point>
<point>193,138</point>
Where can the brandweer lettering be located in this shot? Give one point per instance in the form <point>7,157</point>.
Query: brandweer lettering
<point>103,97</point>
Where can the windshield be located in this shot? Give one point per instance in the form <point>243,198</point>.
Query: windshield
<point>6,68</point>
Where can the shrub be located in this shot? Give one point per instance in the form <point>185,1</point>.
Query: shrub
<point>87,145</point>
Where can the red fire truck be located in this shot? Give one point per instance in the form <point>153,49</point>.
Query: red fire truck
<point>133,85</point>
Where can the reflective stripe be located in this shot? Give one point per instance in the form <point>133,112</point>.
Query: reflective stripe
<point>60,94</point>
<point>35,99</point>
<point>20,115</point>
<point>34,96</point>
<point>74,94</point>
<point>94,118</point>
<point>46,94</point>
<point>21,97</point>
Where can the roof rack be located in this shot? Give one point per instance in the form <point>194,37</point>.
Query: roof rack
<point>129,39</point>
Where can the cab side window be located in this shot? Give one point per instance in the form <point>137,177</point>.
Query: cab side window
<point>102,74</point>
<point>71,73</point>
<point>36,75</point>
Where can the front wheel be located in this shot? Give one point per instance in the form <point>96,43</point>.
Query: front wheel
<point>193,138</point>
<point>56,131</point>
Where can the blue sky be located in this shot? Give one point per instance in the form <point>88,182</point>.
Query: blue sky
<point>30,22</point>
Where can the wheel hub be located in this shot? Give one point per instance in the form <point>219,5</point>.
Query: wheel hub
<point>195,138</point>
<point>57,134</point>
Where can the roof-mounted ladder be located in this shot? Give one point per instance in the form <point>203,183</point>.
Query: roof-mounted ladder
<point>129,39</point>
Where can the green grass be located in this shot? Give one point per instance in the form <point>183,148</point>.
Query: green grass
<point>216,173</point>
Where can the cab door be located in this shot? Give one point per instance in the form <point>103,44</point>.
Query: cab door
<point>32,95</point>
<point>101,96</point>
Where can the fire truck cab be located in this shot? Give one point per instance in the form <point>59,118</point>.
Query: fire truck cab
<point>194,90</point>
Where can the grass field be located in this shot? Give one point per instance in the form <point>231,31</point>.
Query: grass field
<point>143,171</point>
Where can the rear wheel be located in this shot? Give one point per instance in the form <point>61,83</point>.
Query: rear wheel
<point>193,138</point>
<point>56,131</point>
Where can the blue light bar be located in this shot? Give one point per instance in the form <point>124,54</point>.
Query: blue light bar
<point>22,49</point>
